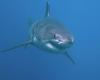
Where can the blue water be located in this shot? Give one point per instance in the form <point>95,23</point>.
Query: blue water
<point>81,17</point>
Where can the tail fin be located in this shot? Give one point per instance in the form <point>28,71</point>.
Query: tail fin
<point>47,10</point>
<point>17,46</point>
<point>70,58</point>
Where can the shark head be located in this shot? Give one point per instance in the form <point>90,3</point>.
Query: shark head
<point>60,40</point>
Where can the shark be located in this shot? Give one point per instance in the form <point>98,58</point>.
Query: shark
<point>48,34</point>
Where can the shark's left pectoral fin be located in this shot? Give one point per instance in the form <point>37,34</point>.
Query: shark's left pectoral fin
<point>69,57</point>
<point>17,46</point>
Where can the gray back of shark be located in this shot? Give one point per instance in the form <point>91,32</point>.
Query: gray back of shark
<point>50,35</point>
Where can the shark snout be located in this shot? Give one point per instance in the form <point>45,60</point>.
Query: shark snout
<point>66,42</point>
<point>69,41</point>
<point>62,42</point>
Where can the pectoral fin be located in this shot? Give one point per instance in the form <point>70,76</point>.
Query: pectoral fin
<point>70,58</point>
<point>17,46</point>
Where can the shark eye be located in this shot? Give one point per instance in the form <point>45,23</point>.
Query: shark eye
<point>55,36</point>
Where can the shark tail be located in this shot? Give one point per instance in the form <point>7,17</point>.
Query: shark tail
<point>17,46</point>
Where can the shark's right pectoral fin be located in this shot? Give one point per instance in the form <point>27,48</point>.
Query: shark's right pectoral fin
<point>17,46</point>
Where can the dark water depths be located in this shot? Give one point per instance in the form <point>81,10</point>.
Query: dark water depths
<point>82,17</point>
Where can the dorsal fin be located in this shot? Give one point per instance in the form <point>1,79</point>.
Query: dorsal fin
<point>47,10</point>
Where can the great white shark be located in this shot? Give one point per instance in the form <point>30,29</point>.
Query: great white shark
<point>50,35</point>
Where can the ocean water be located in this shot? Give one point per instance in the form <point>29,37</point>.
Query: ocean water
<point>81,17</point>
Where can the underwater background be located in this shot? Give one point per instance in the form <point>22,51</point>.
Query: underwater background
<point>81,17</point>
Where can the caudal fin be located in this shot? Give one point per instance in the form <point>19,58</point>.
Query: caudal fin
<point>17,46</point>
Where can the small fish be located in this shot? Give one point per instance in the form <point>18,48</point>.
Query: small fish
<point>48,34</point>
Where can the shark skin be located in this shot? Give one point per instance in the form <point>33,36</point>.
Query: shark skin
<point>49,35</point>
